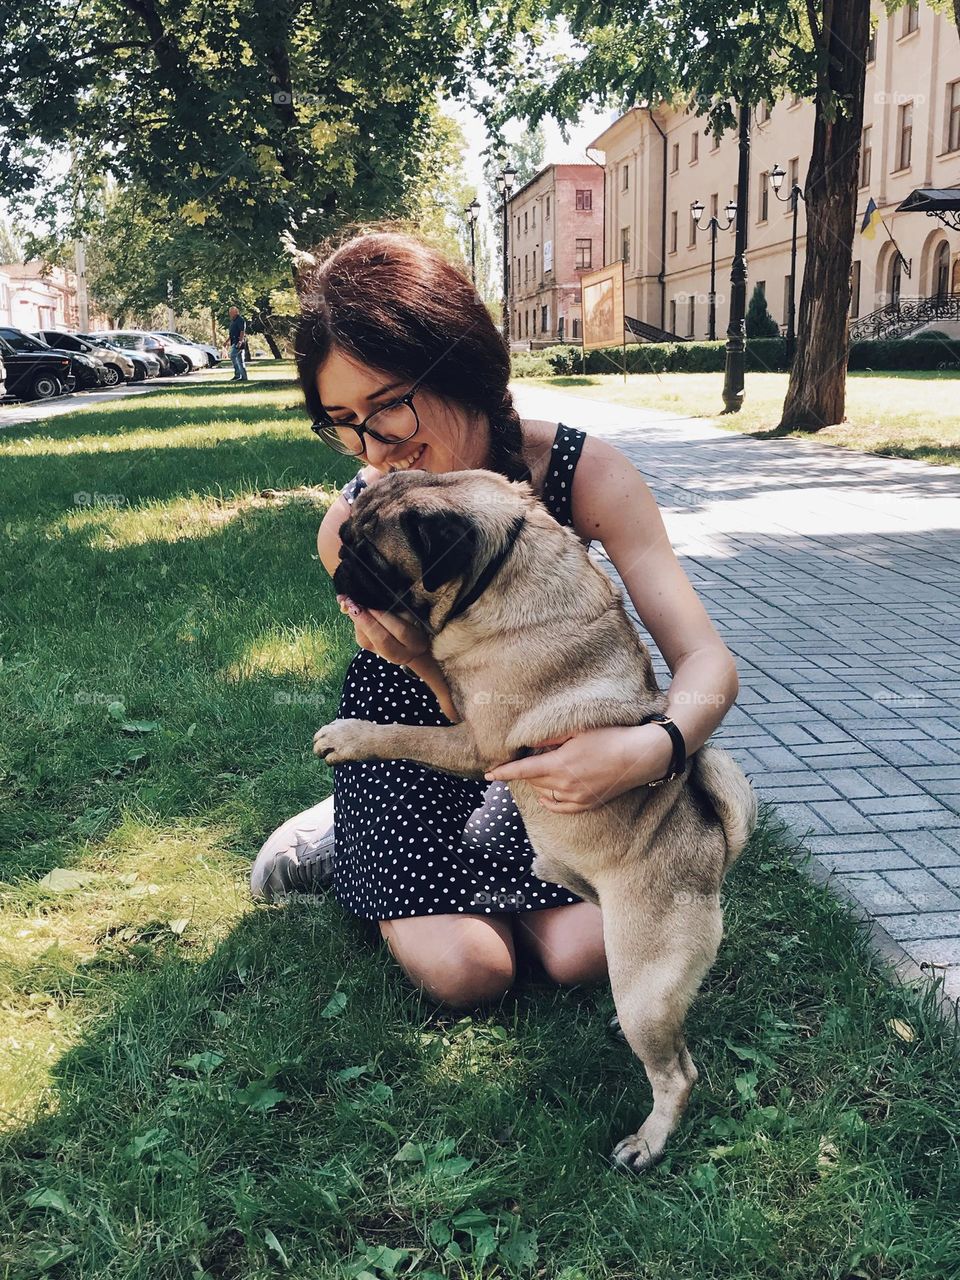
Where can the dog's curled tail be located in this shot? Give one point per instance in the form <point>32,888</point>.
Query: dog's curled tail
<point>731,794</point>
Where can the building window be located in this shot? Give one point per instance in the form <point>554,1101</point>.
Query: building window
<point>694,148</point>
<point>714,141</point>
<point>794,168</point>
<point>525,223</point>
<point>795,101</point>
<point>575,328</point>
<point>625,245</point>
<point>625,177</point>
<point>673,231</point>
<point>518,226</point>
<point>763,197</point>
<point>534,264</point>
<point>544,319</point>
<point>692,231</point>
<point>953,116</point>
<point>673,315</point>
<point>855,290</point>
<point>786,297</point>
<point>534,218</point>
<point>872,47</point>
<point>691,315</point>
<point>548,209</point>
<point>714,204</point>
<point>763,111</point>
<point>584,200</point>
<point>583,250</point>
<point>911,18</point>
<point>675,158</point>
<point>904,135</point>
<point>534,322</point>
<point>866,156</point>
<point>526,267</point>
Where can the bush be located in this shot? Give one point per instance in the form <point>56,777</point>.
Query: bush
<point>530,364</point>
<point>924,352</point>
<point>759,323</point>
<point>667,357</point>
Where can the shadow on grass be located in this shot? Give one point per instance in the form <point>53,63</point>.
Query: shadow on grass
<point>292,1093</point>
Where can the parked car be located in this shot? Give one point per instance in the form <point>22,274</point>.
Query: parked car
<point>212,354</point>
<point>118,367</point>
<point>190,352</point>
<point>39,374</point>
<point>3,380</point>
<point>137,340</point>
<point>144,364</point>
<point>87,373</point>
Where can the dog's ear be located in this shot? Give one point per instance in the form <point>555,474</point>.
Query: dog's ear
<point>446,543</point>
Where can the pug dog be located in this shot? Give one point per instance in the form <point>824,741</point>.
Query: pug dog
<point>514,605</point>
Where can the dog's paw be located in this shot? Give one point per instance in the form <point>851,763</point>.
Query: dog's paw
<point>344,740</point>
<point>635,1154</point>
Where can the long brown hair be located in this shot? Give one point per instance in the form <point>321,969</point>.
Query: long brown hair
<point>391,301</point>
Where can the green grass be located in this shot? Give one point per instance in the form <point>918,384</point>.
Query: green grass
<point>899,415</point>
<point>195,1086</point>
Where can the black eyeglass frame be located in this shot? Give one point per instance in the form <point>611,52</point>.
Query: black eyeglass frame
<point>362,429</point>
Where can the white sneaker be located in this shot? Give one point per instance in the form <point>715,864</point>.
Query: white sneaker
<point>298,857</point>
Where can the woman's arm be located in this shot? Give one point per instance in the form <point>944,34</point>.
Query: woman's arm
<point>612,502</point>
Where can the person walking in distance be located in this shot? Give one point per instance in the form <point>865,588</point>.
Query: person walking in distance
<point>238,336</point>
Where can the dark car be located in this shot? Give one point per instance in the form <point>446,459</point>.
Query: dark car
<point>86,372</point>
<point>36,375</point>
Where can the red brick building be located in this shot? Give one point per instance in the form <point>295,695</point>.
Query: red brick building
<point>556,234</point>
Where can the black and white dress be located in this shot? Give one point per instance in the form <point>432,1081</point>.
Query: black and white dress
<point>409,840</point>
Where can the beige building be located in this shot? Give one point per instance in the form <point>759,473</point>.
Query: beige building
<point>657,163</point>
<point>34,295</point>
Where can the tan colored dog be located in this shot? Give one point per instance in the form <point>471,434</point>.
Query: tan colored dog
<point>535,644</point>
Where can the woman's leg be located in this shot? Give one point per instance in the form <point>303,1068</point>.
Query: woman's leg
<point>459,960</point>
<point>567,940</point>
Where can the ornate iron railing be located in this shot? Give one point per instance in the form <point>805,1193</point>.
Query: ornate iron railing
<point>899,319</point>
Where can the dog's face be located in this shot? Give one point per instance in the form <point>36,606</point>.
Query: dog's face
<point>414,534</point>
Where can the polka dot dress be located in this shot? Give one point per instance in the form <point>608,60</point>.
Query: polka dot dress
<point>411,841</point>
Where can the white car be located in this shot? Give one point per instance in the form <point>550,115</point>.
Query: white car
<point>189,350</point>
<point>212,354</point>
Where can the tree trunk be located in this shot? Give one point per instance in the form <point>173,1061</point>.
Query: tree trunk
<point>815,395</point>
<point>261,324</point>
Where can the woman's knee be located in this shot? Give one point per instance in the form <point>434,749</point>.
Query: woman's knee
<point>568,942</point>
<point>462,962</point>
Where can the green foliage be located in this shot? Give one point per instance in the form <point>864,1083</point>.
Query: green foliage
<point>759,323</point>
<point>925,352</point>
<point>666,357</point>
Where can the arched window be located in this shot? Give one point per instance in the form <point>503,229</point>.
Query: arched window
<point>941,270</point>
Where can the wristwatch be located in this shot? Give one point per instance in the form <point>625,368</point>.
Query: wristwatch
<point>679,760</point>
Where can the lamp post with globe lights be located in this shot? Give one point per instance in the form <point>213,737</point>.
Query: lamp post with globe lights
<point>777,176</point>
<point>472,213</point>
<point>505,180</point>
<point>713,226</point>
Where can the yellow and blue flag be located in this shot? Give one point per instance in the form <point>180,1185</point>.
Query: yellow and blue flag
<point>871,216</point>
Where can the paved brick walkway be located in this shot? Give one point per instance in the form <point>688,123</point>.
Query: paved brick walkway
<point>834,577</point>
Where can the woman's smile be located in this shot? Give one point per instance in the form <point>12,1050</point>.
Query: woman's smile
<point>404,464</point>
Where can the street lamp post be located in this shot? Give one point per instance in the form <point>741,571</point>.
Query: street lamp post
<point>713,226</point>
<point>796,195</point>
<point>471,213</point>
<point>736,346</point>
<point>505,180</point>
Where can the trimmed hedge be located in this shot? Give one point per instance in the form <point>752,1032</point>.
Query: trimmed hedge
<point>762,355</point>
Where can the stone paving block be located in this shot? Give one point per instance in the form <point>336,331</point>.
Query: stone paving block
<point>870,888</point>
<point>801,818</point>
<point>889,782</point>
<point>852,842</point>
<point>842,816</point>
<point>950,876</point>
<point>924,821</point>
<point>882,805</point>
<point>935,752</point>
<point>849,783</point>
<point>793,791</point>
<point>791,734</point>
<point>928,847</point>
<point>924,891</point>
<point>950,836</point>
<point>865,860</point>
<point>777,757</point>
<point>925,925</point>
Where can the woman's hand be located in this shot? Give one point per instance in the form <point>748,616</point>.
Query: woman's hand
<point>386,634</point>
<point>591,768</point>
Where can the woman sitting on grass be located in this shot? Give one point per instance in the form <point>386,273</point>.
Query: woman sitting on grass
<point>402,366</point>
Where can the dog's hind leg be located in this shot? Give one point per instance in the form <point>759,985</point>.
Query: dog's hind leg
<point>656,962</point>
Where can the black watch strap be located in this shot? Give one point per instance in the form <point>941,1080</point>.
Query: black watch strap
<point>679,761</point>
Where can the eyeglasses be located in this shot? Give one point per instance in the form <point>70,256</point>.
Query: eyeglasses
<point>396,422</point>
